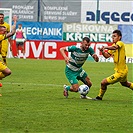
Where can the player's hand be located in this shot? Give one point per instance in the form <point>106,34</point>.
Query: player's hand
<point>15,18</point>
<point>101,48</point>
<point>67,60</point>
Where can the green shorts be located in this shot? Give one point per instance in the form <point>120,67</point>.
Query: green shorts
<point>74,76</point>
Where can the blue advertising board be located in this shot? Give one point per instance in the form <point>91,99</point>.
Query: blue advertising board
<point>42,30</point>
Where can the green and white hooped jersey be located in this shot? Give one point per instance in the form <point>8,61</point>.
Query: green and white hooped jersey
<point>78,57</point>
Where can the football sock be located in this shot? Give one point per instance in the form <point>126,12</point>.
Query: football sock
<point>2,75</point>
<point>4,59</point>
<point>131,86</point>
<point>68,88</point>
<point>101,93</point>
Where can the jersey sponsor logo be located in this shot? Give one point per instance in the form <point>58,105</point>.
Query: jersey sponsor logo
<point>82,73</point>
<point>112,77</point>
<point>107,17</point>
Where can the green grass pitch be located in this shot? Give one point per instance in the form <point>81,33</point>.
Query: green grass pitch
<point>33,100</point>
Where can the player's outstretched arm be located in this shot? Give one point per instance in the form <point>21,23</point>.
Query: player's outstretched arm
<point>13,28</point>
<point>63,50</point>
<point>105,54</point>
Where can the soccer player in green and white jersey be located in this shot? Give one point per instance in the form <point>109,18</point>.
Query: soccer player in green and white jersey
<point>74,63</point>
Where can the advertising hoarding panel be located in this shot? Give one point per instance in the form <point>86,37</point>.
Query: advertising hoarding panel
<point>60,11</point>
<point>107,12</point>
<point>26,10</point>
<point>42,30</point>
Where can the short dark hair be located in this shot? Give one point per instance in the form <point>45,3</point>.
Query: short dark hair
<point>1,14</point>
<point>87,39</point>
<point>118,32</point>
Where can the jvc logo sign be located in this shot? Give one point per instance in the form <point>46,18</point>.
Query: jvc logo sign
<point>108,16</point>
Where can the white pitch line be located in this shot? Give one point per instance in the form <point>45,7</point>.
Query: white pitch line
<point>32,84</point>
<point>9,83</point>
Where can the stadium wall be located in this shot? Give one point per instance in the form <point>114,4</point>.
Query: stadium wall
<point>44,39</point>
<point>79,11</point>
<point>65,22</point>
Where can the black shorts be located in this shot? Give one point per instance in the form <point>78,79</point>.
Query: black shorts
<point>19,43</point>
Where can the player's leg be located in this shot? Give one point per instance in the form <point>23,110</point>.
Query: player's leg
<point>0,47</point>
<point>74,84</point>
<point>72,78</point>
<point>4,71</point>
<point>82,75</point>
<point>72,88</point>
<point>86,80</point>
<point>127,84</point>
<point>4,50</point>
<point>124,81</point>
<point>103,89</point>
<point>105,82</point>
<point>1,52</point>
<point>17,48</point>
<point>79,75</point>
<point>4,59</point>
<point>23,50</point>
<point>11,46</point>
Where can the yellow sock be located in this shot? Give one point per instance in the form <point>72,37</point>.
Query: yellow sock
<point>101,93</point>
<point>2,75</point>
<point>131,86</point>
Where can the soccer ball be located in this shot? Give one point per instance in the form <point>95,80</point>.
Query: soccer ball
<point>83,89</point>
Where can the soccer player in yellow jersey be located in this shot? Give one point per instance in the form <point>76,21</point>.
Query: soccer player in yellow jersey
<point>117,51</point>
<point>4,70</point>
<point>4,43</point>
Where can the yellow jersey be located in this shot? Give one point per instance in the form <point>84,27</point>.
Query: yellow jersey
<point>6,25</point>
<point>119,56</point>
<point>2,37</point>
<point>4,43</point>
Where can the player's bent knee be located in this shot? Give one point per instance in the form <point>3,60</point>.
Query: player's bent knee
<point>75,89</point>
<point>104,82</point>
<point>126,84</point>
<point>89,84</point>
<point>7,72</point>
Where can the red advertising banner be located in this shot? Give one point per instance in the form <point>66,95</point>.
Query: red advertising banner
<point>50,49</point>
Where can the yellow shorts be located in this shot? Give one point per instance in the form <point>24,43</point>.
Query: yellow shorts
<point>4,47</point>
<point>117,77</point>
<point>2,66</point>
